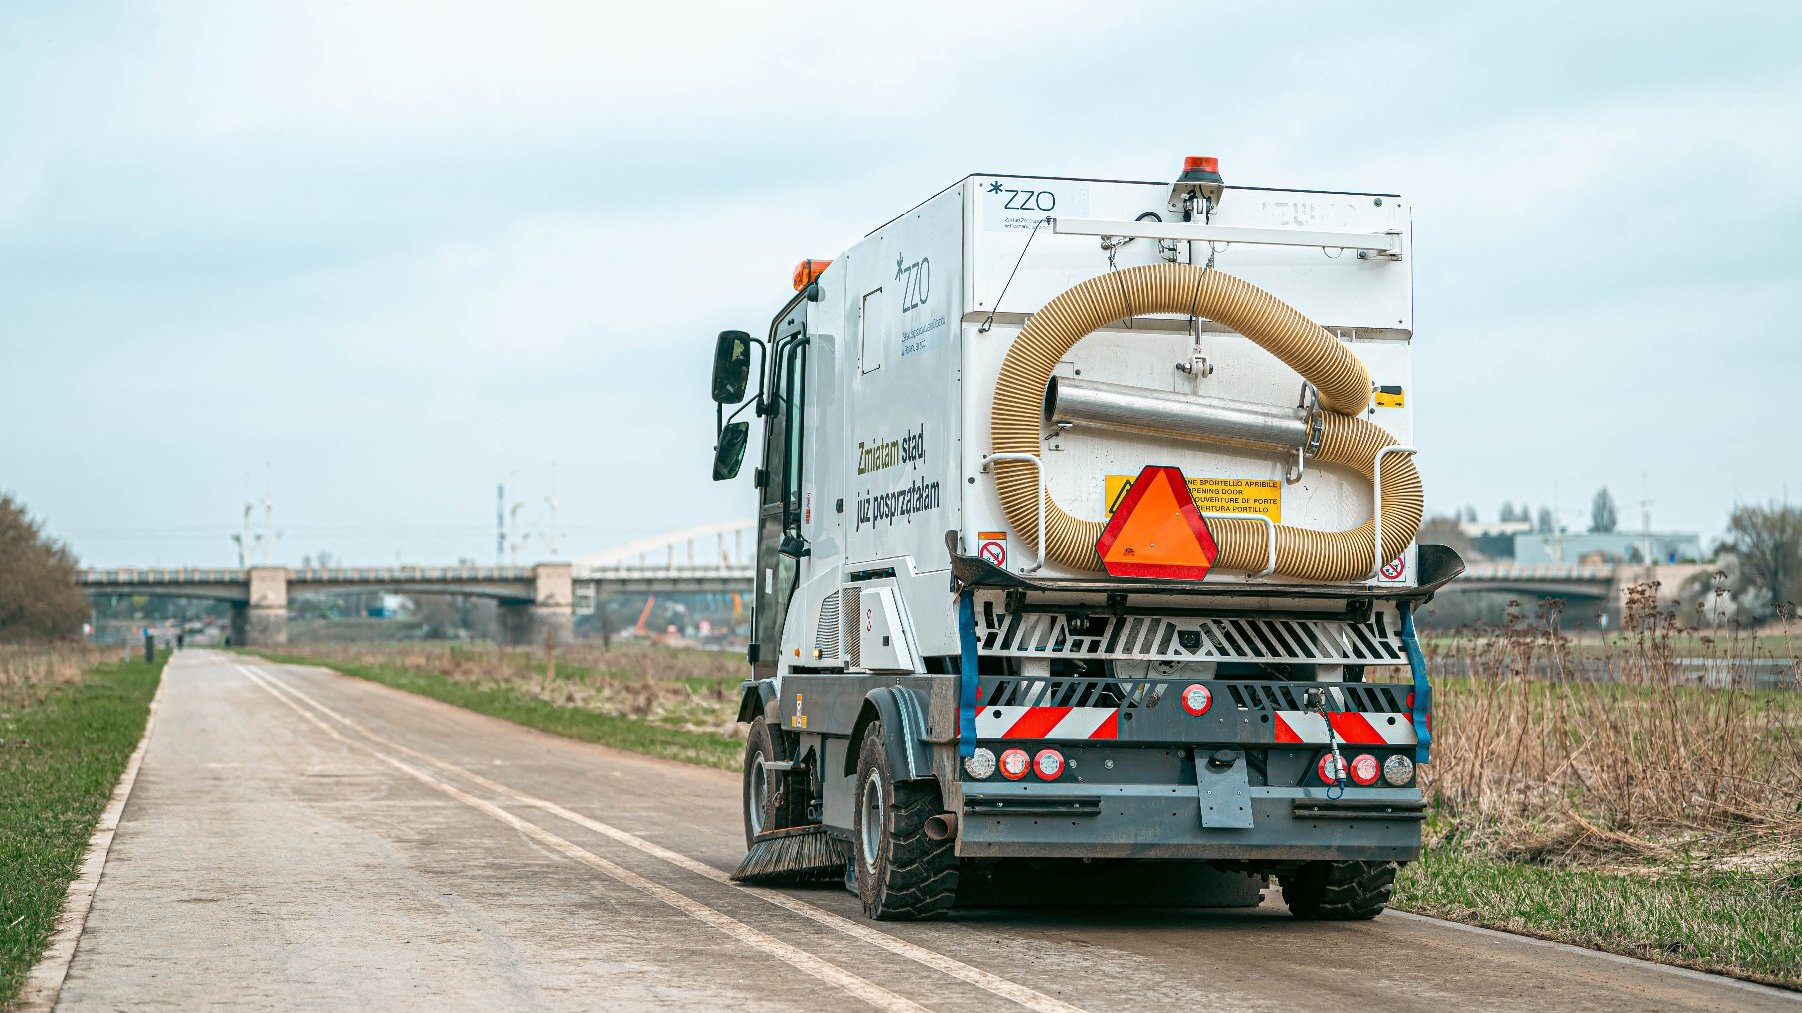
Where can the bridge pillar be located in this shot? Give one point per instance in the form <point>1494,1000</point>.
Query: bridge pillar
<point>552,608</point>
<point>263,620</point>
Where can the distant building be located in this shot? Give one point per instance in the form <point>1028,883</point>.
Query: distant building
<point>1608,547</point>
<point>1490,529</point>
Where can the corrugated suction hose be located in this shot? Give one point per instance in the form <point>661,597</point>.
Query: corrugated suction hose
<point>1341,379</point>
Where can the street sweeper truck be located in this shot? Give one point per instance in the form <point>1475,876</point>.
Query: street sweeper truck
<point>1086,550</point>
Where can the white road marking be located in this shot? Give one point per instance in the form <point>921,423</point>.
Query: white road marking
<point>993,983</point>
<point>868,991</point>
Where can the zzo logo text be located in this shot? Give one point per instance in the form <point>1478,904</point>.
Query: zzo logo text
<point>1030,200</point>
<point>918,287</point>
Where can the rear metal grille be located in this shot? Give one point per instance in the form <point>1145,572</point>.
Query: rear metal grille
<point>825,637</point>
<point>1141,694</point>
<point>1155,638</point>
<point>1365,698</point>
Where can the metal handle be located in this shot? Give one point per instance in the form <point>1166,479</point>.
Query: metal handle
<point>1376,514</point>
<point>1038,468</point>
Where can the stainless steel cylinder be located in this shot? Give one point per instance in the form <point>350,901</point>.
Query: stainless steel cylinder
<point>1186,416</point>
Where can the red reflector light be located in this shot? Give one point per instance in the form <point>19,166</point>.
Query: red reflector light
<point>1048,764</point>
<point>808,271</point>
<point>1197,699</point>
<point>1365,768</point>
<point>1014,764</point>
<point>1326,767</point>
<point>1201,163</point>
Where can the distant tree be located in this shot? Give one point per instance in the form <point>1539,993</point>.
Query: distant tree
<point>40,598</point>
<point>1767,541</point>
<point>1602,517</point>
<point>1546,521</point>
<point>1506,513</point>
<point>1470,514</point>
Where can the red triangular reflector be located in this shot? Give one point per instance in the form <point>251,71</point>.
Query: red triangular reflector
<point>1157,532</point>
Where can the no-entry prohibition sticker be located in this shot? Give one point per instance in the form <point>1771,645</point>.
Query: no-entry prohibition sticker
<point>992,546</point>
<point>1394,569</point>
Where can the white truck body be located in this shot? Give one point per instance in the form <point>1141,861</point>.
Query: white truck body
<point>902,374</point>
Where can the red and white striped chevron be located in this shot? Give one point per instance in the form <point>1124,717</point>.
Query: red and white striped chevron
<point>1048,723</point>
<point>1309,728</point>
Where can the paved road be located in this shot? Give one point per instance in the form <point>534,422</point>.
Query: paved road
<point>297,839</point>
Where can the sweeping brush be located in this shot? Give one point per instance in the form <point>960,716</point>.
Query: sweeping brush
<point>794,855</point>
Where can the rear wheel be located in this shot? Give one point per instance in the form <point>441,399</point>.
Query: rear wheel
<point>1338,891</point>
<point>901,873</point>
<point>769,802</point>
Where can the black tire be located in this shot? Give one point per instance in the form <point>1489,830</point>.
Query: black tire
<point>780,805</point>
<point>1338,891</point>
<point>909,876</point>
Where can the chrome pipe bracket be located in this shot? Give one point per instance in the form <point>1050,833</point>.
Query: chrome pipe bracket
<point>1269,542</point>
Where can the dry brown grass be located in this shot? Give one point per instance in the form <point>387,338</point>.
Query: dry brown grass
<point>28,671</point>
<point>677,688</point>
<point>1622,759</point>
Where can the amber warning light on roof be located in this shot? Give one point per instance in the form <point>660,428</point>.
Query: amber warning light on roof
<point>1157,531</point>
<point>808,271</point>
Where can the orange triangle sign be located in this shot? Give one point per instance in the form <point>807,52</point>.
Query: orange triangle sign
<point>1157,532</point>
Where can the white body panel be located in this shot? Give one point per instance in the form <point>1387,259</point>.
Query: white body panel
<point>902,373</point>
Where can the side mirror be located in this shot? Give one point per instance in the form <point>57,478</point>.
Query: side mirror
<point>731,367</point>
<point>730,453</point>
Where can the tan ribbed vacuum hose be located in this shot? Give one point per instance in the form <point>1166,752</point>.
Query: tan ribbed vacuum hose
<point>1341,379</point>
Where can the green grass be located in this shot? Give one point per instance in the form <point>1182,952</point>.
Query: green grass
<point>60,758</point>
<point>522,708</point>
<point>1743,924</point>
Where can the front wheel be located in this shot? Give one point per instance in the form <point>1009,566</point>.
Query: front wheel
<point>1338,891</point>
<point>901,873</point>
<point>769,801</point>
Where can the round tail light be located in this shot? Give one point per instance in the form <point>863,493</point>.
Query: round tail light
<point>1365,769</point>
<point>1014,764</point>
<point>980,764</point>
<point>1330,772</point>
<point>1398,770</point>
<point>1048,764</point>
<point>1197,699</point>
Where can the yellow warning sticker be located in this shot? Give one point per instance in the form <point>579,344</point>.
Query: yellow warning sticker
<point>1217,495</point>
<point>1389,397</point>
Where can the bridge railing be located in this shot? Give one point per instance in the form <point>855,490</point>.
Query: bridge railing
<point>680,570</point>
<point>407,574</point>
<point>142,576</point>
<point>138,575</point>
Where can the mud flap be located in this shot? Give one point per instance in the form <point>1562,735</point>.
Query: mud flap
<point>1223,790</point>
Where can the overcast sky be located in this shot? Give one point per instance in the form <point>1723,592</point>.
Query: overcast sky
<point>398,252</point>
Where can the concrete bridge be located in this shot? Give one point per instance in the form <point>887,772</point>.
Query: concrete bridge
<point>543,597</point>
<point>1607,582</point>
<point>534,600</point>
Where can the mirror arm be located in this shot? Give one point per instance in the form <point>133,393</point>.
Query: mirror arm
<point>763,362</point>
<point>735,412</point>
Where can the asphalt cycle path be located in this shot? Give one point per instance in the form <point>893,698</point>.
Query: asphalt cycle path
<point>297,839</point>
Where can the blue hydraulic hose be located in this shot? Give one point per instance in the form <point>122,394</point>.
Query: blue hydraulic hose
<point>966,668</point>
<point>1423,689</point>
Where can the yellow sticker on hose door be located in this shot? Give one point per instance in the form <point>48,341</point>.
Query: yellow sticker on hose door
<point>1214,496</point>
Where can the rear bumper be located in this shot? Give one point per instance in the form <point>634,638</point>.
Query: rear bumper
<point>1163,821</point>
